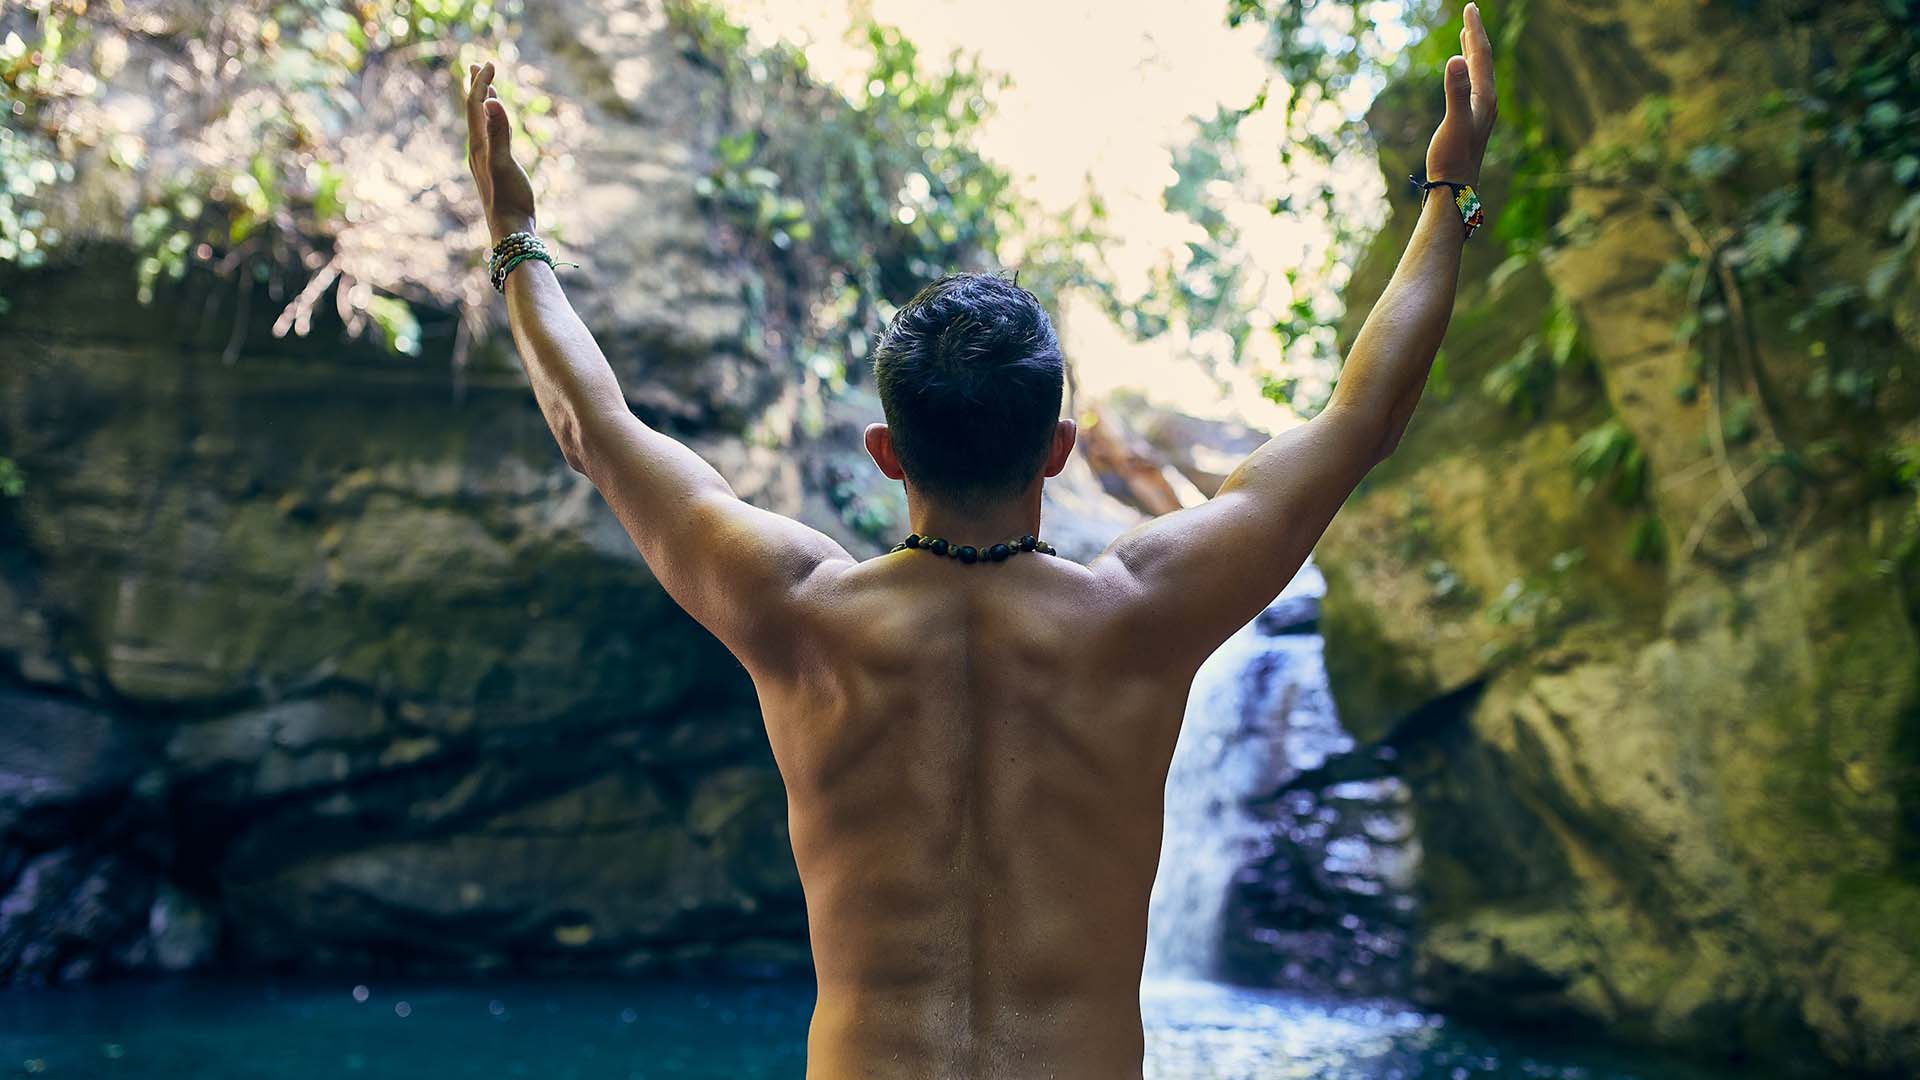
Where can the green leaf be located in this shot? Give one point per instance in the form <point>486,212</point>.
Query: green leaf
<point>397,323</point>
<point>1508,267</point>
<point>1906,217</point>
<point>1885,272</point>
<point>1712,161</point>
<point>1738,421</point>
<point>1609,455</point>
<point>1772,244</point>
<point>1647,542</point>
<point>1563,333</point>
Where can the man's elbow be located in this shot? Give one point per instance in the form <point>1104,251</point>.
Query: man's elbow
<point>1367,436</point>
<point>1389,442</point>
<point>572,442</point>
<point>1395,429</point>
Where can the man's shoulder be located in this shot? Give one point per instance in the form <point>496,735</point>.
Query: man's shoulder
<point>1046,578</point>
<point>1087,607</point>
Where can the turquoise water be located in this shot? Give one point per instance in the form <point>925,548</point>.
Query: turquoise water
<point>236,1029</point>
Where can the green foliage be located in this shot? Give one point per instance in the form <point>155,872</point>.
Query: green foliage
<point>865,508</point>
<point>863,198</point>
<point>1524,382</point>
<point>1524,149</point>
<point>1855,106</point>
<point>1743,195</point>
<point>34,81</point>
<point>1320,49</point>
<point>1212,290</point>
<point>853,201</point>
<point>1899,469</point>
<point>1906,469</point>
<point>1648,541</point>
<point>1738,421</point>
<point>1608,459</point>
<point>1748,195</point>
<point>1416,534</point>
<point>1539,605</point>
<point>299,96</point>
<point>13,482</point>
<point>1322,52</point>
<point>1449,588</point>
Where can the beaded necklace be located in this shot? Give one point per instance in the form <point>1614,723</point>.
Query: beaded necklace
<point>969,554</point>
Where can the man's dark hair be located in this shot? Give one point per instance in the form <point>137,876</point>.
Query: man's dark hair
<point>971,380</point>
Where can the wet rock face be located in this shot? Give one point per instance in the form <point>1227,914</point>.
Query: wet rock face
<point>1669,797</point>
<point>1325,902</point>
<point>61,762</point>
<point>309,663</point>
<point>67,911</point>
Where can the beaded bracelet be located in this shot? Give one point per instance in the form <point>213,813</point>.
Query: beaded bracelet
<point>1465,199</point>
<point>512,250</point>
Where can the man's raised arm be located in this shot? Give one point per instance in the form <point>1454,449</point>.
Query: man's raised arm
<point>1199,574</point>
<point>734,567</point>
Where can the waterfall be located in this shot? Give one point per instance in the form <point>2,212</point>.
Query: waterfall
<point>1288,856</point>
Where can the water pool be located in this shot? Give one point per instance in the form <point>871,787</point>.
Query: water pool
<point>299,1030</point>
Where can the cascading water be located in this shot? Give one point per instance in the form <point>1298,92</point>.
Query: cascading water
<point>1276,868</point>
<point>1226,756</point>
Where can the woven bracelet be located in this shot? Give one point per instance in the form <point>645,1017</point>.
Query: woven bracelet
<point>1465,199</point>
<point>514,249</point>
<point>500,278</point>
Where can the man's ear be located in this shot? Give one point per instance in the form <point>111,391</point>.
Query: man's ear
<point>879,443</point>
<point>1064,433</point>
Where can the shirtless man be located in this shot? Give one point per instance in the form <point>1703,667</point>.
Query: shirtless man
<point>975,750</point>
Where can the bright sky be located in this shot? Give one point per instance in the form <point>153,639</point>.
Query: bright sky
<point>1104,89</point>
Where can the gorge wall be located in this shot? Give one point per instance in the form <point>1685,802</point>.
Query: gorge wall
<point>321,657</point>
<point>1664,759</point>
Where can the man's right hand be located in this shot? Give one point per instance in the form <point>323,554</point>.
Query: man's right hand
<point>1461,141</point>
<point>505,192</point>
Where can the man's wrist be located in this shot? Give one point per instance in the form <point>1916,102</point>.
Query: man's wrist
<point>1457,199</point>
<point>1440,219</point>
<point>506,227</point>
<point>1457,174</point>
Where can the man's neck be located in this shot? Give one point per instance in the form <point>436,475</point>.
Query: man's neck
<point>978,525</point>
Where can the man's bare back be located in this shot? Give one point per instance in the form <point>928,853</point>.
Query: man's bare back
<point>975,753</point>
<point>974,759</point>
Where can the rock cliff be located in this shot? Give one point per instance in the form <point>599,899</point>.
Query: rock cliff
<point>1664,752</point>
<point>321,657</point>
